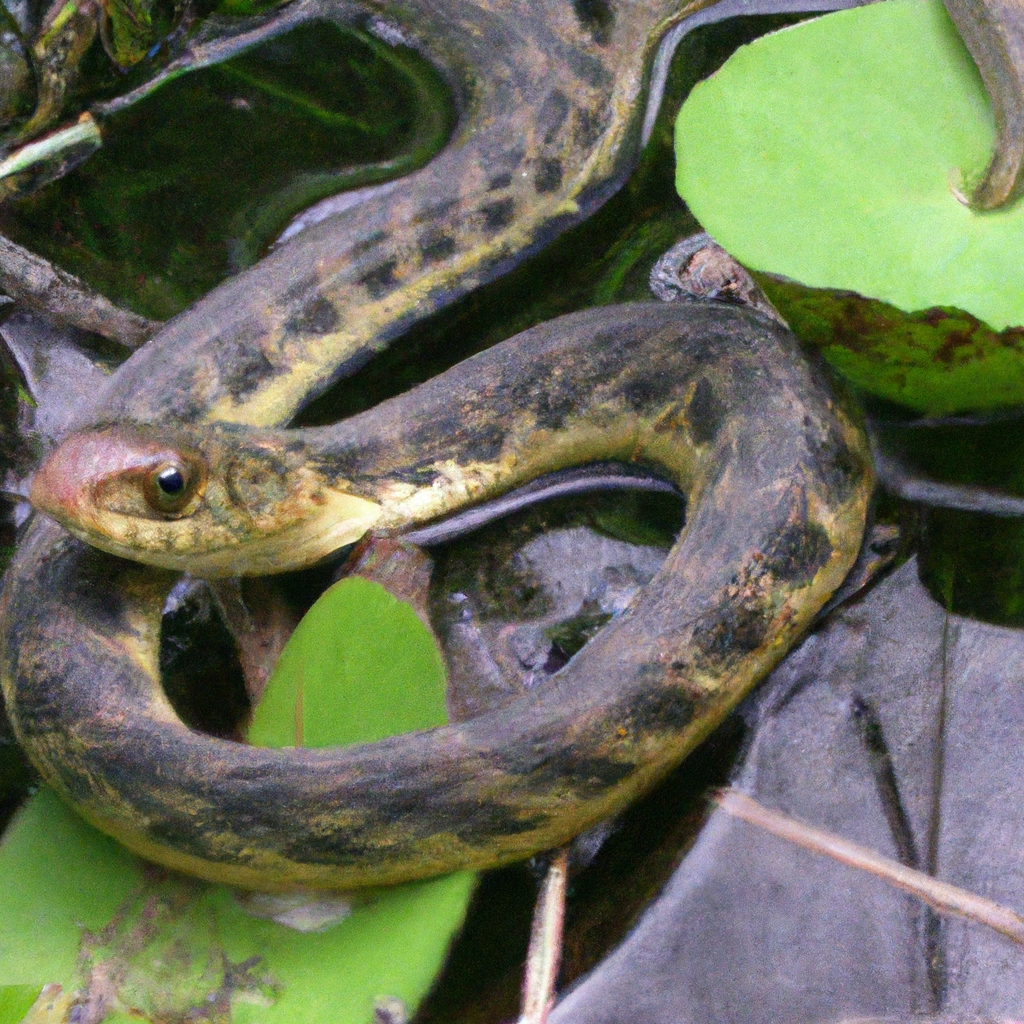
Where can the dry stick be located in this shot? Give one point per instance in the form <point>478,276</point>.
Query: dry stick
<point>545,951</point>
<point>40,286</point>
<point>260,622</point>
<point>945,898</point>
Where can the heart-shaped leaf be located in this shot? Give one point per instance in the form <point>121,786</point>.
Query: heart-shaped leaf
<point>359,667</point>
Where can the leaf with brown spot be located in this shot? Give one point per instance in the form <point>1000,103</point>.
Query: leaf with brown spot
<point>937,361</point>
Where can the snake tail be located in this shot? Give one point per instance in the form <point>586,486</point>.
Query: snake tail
<point>993,32</point>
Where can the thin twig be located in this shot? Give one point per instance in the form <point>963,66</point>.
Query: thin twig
<point>945,898</point>
<point>64,144</point>
<point>545,951</point>
<point>44,288</point>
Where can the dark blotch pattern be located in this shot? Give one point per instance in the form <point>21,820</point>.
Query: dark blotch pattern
<point>436,247</point>
<point>597,17</point>
<point>435,212</point>
<point>835,462</point>
<point>302,288</point>
<point>477,824</point>
<point>548,177</point>
<point>362,247</point>
<point>799,552</point>
<point>704,413</point>
<point>319,317</point>
<point>381,280</point>
<point>462,437</point>
<point>245,371</point>
<point>347,461</point>
<point>342,848</point>
<point>588,128</point>
<point>498,215</point>
<point>732,632</point>
<point>645,392</point>
<point>590,69</point>
<point>553,408</point>
<point>422,475</point>
<point>498,182</point>
<point>552,115</point>
<point>187,404</point>
<point>645,386</point>
<point>588,775</point>
<point>659,705</point>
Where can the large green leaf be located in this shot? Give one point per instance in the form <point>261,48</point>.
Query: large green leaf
<point>77,909</point>
<point>15,1001</point>
<point>830,153</point>
<point>825,152</point>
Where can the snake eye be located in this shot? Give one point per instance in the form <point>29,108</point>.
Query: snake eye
<point>170,487</point>
<point>171,481</point>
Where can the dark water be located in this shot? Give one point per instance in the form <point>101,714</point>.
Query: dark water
<point>193,182</point>
<point>971,562</point>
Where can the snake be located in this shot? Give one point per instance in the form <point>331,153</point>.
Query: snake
<point>717,399</point>
<point>714,397</point>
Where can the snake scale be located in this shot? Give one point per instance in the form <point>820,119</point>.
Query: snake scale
<point>717,398</point>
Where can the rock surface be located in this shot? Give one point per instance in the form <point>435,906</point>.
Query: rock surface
<point>751,930</point>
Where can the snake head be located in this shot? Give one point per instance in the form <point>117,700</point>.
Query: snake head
<point>214,501</point>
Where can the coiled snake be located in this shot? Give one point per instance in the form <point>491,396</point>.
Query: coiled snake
<point>776,473</point>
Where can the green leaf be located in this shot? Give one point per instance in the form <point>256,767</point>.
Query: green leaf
<point>15,1001</point>
<point>365,667</point>
<point>78,909</point>
<point>937,361</point>
<point>130,30</point>
<point>830,153</point>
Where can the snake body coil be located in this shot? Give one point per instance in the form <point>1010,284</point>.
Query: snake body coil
<point>776,476</point>
<point>714,396</point>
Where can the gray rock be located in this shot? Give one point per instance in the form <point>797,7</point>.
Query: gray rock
<point>751,930</point>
